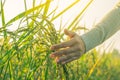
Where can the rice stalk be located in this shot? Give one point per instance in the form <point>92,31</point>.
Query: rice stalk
<point>25,55</point>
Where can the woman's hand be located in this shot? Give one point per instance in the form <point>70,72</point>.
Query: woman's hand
<point>70,50</point>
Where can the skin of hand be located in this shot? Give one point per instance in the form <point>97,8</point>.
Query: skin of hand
<point>70,50</point>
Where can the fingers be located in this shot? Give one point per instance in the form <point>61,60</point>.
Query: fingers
<point>66,51</point>
<point>68,58</point>
<point>63,45</point>
<point>69,33</point>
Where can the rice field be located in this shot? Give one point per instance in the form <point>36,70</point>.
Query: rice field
<point>24,52</point>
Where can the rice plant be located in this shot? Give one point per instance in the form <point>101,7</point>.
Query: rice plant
<point>24,52</point>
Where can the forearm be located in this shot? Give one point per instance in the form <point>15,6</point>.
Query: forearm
<point>103,30</point>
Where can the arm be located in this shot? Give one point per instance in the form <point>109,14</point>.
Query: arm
<point>103,30</point>
<point>74,48</point>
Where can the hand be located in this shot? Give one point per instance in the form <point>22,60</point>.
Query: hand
<point>70,50</point>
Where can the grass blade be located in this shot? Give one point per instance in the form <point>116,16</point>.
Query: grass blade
<point>46,7</point>
<point>3,21</point>
<point>80,14</point>
<point>66,9</point>
<point>23,14</point>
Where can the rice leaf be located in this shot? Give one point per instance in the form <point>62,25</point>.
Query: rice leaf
<point>66,9</point>
<point>3,20</point>
<point>80,14</point>
<point>23,14</point>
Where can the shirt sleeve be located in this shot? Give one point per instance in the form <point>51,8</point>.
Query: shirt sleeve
<point>109,25</point>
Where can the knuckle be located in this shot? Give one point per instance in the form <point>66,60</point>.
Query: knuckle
<point>63,45</point>
<point>72,49</point>
<point>68,51</point>
<point>61,52</point>
<point>78,54</point>
<point>65,51</point>
<point>78,47</point>
<point>75,58</point>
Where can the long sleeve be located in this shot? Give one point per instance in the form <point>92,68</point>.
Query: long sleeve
<point>109,25</point>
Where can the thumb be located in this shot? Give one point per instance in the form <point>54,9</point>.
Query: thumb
<point>69,33</point>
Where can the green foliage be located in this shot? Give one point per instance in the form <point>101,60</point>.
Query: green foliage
<point>24,53</point>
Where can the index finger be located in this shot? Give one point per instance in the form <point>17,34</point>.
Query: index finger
<point>63,44</point>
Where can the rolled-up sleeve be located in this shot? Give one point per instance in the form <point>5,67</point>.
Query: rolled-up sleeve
<point>109,25</point>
